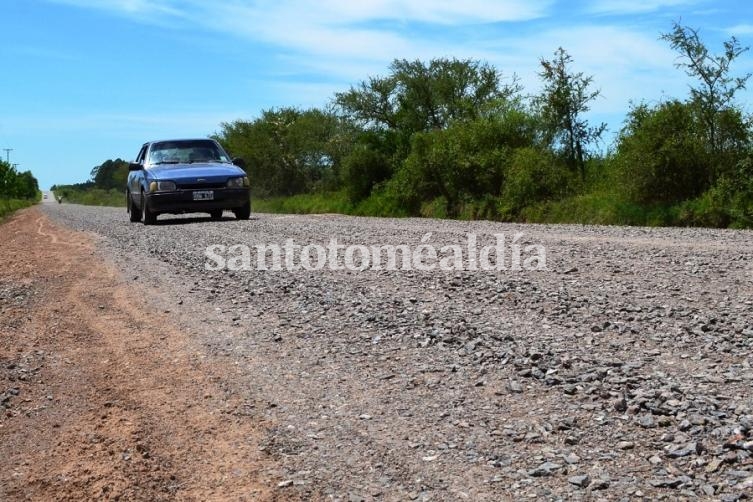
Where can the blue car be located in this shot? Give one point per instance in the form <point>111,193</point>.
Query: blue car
<point>186,176</point>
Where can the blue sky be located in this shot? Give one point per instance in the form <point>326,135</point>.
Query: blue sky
<point>88,80</point>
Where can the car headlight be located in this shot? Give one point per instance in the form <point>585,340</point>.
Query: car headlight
<point>161,186</point>
<point>238,182</point>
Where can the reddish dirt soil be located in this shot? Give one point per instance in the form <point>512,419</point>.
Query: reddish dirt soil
<point>101,398</point>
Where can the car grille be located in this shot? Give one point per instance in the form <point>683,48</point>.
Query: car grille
<point>200,186</point>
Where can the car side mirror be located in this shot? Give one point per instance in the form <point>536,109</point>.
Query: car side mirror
<point>240,163</point>
<point>135,166</point>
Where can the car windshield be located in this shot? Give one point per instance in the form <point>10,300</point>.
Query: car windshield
<point>186,152</point>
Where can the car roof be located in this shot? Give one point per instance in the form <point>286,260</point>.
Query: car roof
<point>178,139</point>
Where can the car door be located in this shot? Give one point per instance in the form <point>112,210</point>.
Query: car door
<point>136,178</point>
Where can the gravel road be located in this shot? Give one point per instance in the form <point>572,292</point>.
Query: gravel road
<point>623,370</point>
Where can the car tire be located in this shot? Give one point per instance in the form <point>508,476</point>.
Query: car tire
<point>150,218</point>
<point>243,212</point>
<point>134,213</point>
<point>216,214</point>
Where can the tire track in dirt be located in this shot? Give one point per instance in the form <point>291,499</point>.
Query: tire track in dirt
<point>117,403</point>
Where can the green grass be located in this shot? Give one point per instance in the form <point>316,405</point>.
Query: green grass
<point>597,208</point>
<point>593,208</point>
<point>334,202</point>
<point>92,196</point>
<point>600,208</point>
<point>381,205</point>
<point>377,204</point>
<point>9,206</point>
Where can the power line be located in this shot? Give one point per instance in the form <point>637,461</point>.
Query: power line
<point>7,154</point>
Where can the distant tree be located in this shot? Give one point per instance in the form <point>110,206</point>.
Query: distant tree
<point>564,101</point>
<point>716,88</point>
<point>419,97</point>
<point>110,174</point>
<point>27,186</point>
<point>7,177</point>
<point>424,116</point>
<point>15,185</point>
<point>287,151</point>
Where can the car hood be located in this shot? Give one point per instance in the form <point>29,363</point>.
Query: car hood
<point>208,171</point>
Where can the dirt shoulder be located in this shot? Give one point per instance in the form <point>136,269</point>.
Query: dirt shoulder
<point>100,397</point>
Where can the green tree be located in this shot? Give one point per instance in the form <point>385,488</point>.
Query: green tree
<point>362,169</point>
<point>464,162</point>
<point>532,176</point>
<point>661,153</point>
<point>15,185</point>
<point>437,123</point>
<point>7,178</point>
<point>741,192</point>
<point>420,97</point>
<point>716,89</point>
<point>564,101</point>
<point>111,174</point>
<point>288,151</point>
<point>27,186</point>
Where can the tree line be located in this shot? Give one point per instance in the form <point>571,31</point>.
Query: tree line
<point>17,185</point>
<point>104,187</point>
<point>456,138</point>
<point>452,137</point>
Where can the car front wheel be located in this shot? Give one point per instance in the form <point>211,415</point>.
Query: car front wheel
<point>134,213</point>
<point>243,212</point>
<point>150,218</point>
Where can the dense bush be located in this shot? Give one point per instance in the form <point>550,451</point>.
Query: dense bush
<point>15,185</point>
<point>532,176</point>
<point>662,155</point>
<point>362,169</point>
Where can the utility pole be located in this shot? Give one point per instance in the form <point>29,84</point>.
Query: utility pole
<point>7,154</point>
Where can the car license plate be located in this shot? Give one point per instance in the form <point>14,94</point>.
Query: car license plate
<point>203,195</point>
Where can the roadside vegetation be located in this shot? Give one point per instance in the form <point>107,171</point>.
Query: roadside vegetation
<point>105,188</point>
<point>17,190</point>
<point>459,139</point>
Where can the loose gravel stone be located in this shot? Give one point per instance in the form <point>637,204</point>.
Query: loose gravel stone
<point>637,336</point>
<point>689,449</point>
<point>545,469</point>
<point>515,386</point>
<point>600,484</point>
<point>581,481</point>
<point>665,482</point>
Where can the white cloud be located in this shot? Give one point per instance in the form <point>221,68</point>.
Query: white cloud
<point>115,124</point>
<point>740,29</point>
<point>336,11</point>
<point>347,41</point>
<point>445,12</point>
<point>355,30</point>
<point>635,6</point>
<point>368,30</point>
<point>139,8</point>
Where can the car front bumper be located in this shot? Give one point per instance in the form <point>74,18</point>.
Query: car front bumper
<point>181,201</point>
